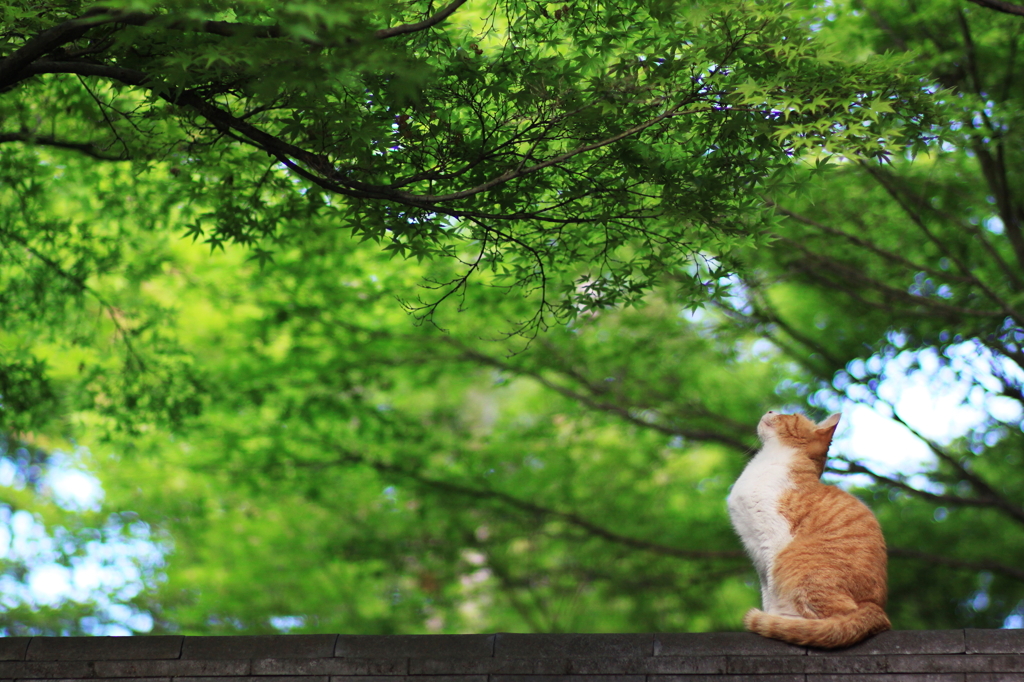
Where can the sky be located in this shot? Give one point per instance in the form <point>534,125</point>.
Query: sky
<point>109,570</point>
<point>940,401</point>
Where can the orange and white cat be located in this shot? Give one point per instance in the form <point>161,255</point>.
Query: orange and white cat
<point>818,551</point>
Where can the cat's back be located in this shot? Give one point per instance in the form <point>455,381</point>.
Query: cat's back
<point>830,513</point>
<point>837,540</point>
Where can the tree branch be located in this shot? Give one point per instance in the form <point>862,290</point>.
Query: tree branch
<point>993,566</point>
<point>890,186</point>
<point>523,505</point>
<point>982,486</point>
<point>323,173</point>
<point>83,286</point>
<point>230,29</point>
<point>420,25</point>
<point>838,268</point>
<point>221,119</point>
<point>520,172</point>
<point>47,41</point>
<point>866,244</point>
<point>1001,6</point>
<point>770,314</point>
<point>87,148</point>
<point>940,498</point>
<point>610,408</point>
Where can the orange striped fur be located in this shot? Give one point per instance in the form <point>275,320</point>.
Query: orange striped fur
<point>819,551</point>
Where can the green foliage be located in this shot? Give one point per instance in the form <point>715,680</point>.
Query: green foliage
<point>577,155</point>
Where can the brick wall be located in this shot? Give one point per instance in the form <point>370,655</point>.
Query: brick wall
<point>907,656</point>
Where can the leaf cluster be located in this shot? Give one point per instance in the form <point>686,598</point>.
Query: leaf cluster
<point>577,154</point>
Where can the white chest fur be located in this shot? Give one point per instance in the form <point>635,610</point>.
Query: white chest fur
<point>754,510</point>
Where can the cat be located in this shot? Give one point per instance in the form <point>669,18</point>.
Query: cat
<point>818,551</point>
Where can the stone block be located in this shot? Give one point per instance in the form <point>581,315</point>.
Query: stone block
<point>172,668</point>
<point>847,664</point>
<point>719,643</point>
<point>903,642</point>
<point>956,664</point>
<point>13,648</point>
<point>269,678</point>
<point>601,665</point>
<point>573,645</point>
<point>55,670</point>
<point>567,678</point>
<point>489,666</point>
<point>793,677</point>
<point>764,665</point>
<point>473,666</point>
<point>241,679</point>
<point>282,678</point>
<point>648,665</point>
<point>103,648</point>
<point>414,646</point>
<point>915,677</point>
<point>685,665</point>
<point>511,665</point>
<point>75,679</point>
<point>259,646</point>
<point>418,678</point>
<point>331,666</point>
<point>994,641</point>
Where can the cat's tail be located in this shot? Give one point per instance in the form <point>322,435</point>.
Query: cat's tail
<point>828,633</point>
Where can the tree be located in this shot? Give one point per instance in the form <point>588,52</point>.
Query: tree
<point>571,153</point>
<point>318,463</point>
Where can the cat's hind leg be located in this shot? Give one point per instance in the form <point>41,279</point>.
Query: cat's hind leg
<point>786,605</point>
<point>776,600</point>
<point>820,601</point>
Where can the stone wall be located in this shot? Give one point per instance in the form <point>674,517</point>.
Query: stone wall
<point>906,656</point>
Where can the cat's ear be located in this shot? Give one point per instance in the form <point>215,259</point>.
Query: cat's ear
<point>829,425</point>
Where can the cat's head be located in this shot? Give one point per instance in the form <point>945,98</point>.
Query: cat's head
<point>797,431</point>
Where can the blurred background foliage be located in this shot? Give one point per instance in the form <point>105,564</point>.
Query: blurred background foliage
<point>472,320</point>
